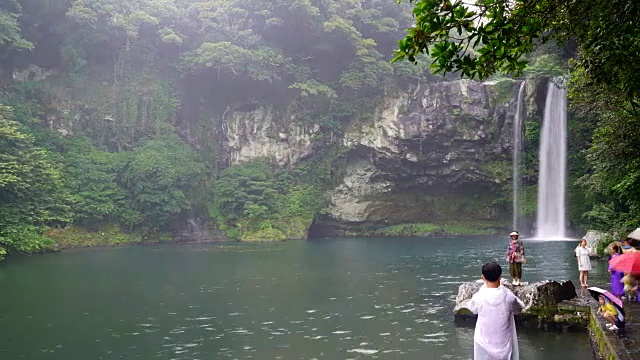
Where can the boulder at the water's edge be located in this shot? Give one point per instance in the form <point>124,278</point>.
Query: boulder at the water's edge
<point>549,305</point>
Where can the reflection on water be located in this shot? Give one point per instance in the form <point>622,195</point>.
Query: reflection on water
<point>324,299</point>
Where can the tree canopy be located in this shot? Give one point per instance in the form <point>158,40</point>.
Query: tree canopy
<point>31,195</point>
<point>136,86</point>
<point>486,37</point>
<point>10,34</point>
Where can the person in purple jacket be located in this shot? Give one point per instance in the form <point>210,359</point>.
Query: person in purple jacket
<point>617,287</point>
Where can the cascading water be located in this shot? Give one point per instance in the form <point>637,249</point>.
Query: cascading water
<point>517,157</point>
<point>553,163</point>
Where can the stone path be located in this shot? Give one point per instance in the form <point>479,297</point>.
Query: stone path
<point>631,339</point>
<point>627,345</point>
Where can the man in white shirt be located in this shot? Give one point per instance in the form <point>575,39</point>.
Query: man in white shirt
<point>495,336</point>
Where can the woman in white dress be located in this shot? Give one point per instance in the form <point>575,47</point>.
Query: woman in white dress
<point>584,262</point>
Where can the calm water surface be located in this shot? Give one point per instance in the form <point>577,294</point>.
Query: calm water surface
<point>321,299</point>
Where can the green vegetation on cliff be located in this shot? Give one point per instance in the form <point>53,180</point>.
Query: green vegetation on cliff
<point>446,229</point>
<point>106,235</point>
<point>118,108</point>
<point>31,189</point>
<point>254,202</point>
<point>78,183</point>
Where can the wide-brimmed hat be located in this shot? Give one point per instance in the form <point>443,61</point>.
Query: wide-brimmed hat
<point>514,233</point>
<point>635,234</point>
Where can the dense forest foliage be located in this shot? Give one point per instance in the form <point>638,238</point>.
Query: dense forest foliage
<point>110,111</point>
<point>112,122</point>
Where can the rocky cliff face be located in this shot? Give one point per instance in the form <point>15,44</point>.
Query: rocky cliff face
<point>267,132</point>
<point>429,154</point>
<point>437,152</point>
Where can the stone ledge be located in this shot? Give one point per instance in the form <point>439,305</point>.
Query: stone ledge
<point>608,344</point>
<point>614,346</point>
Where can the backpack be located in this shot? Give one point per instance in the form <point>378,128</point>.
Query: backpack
<point>513,255</point>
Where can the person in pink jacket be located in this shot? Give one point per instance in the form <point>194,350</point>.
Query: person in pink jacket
<point>495,335</point>
<point>515,258</point>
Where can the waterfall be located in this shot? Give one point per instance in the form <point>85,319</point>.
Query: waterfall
<point>553,163</point>
<point>517,157</point>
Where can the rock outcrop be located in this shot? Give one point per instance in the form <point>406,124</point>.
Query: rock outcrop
<point>433,153</point>
<point>548,305</point>
<point>593,238</point>
<point>445,140</point>
<point>268,133</point>
<point>439,152</point>
<point>422,155</point>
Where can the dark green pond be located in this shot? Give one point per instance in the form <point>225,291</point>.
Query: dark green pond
<point>322,299</point>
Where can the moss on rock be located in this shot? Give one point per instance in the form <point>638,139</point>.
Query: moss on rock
<point>106,235</point>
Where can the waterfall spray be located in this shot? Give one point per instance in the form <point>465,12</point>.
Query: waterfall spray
<point>553,164</point>
<point>517,156</point>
